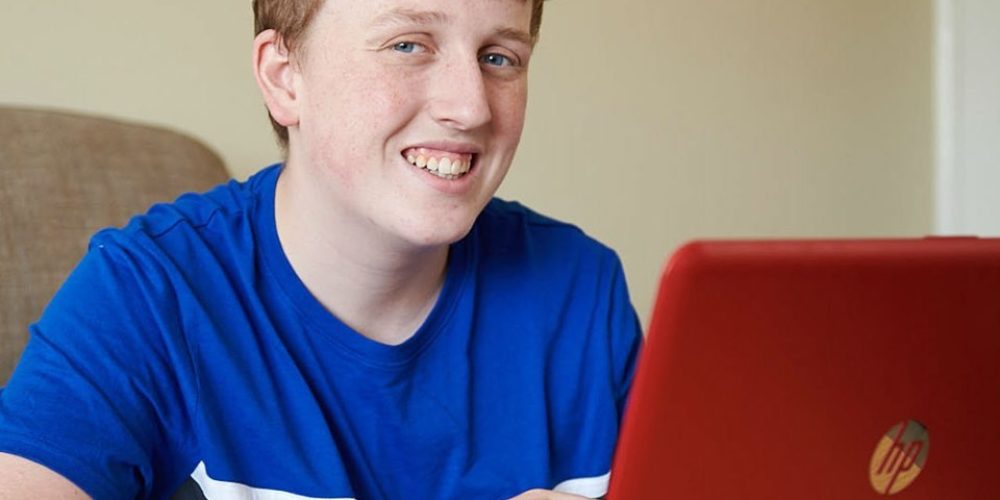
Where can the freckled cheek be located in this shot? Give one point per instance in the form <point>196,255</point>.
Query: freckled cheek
<point>356,119</point>
<point>509,111</point>
<point>362,92</point>
<point>393,102</point>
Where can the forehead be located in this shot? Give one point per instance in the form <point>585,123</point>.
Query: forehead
<point>381,13</point>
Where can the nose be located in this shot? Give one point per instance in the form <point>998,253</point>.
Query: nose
<point>460,96</point>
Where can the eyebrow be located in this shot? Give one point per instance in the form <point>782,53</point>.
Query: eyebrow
<point>515,34</point>
<point>402,16</point>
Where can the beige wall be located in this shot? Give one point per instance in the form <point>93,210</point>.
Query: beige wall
<point>651,121</point>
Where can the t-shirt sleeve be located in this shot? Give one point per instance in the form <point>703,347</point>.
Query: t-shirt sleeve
<point>625,334</point>
<point>103,393</point>
<point>597,360</point>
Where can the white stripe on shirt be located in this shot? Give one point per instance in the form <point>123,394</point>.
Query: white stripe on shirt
<point>213,489</point>
<point>590,487</point>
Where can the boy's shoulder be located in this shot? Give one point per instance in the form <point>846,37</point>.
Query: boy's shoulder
<point>509,229</point>
<point>507,211</point>
<point>193,212</point>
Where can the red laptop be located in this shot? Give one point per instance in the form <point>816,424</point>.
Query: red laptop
<point>819,370</point>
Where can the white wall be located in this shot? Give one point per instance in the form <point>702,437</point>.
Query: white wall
<point>650,121</point>
<point>968,117</point>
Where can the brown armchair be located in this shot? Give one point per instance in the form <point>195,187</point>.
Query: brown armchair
<point>63,176</point>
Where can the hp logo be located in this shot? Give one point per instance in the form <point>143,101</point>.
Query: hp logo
<point>899,457</point>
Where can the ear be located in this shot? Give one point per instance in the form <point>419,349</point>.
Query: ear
<point>275,74</point>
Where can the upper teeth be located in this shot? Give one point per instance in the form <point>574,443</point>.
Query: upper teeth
<point>448,165</point>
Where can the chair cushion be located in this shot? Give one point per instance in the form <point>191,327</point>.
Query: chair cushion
<point>63,176</point>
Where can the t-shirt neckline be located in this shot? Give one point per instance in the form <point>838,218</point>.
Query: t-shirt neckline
<point>323,322</point>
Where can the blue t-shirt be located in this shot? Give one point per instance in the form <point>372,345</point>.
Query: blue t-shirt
<point>184,354</point>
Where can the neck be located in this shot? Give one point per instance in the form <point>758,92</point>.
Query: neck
<point>380,287</point>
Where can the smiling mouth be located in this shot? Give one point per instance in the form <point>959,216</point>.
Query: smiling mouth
<point>444,164</point>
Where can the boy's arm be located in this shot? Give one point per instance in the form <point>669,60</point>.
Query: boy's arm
<point>24,479</point>
<point>104,388</point>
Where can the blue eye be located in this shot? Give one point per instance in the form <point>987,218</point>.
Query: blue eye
<point>405,47</point>
<point>495,59</point>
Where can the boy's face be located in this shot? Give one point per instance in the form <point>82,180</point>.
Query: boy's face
<point>389,89</point>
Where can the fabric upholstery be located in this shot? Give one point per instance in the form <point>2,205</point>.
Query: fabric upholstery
<point>63,176</point>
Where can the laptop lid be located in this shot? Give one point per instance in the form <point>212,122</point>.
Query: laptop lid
<point>819,369</point>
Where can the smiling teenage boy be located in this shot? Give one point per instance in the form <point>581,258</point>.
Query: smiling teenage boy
<point>362,321</point>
